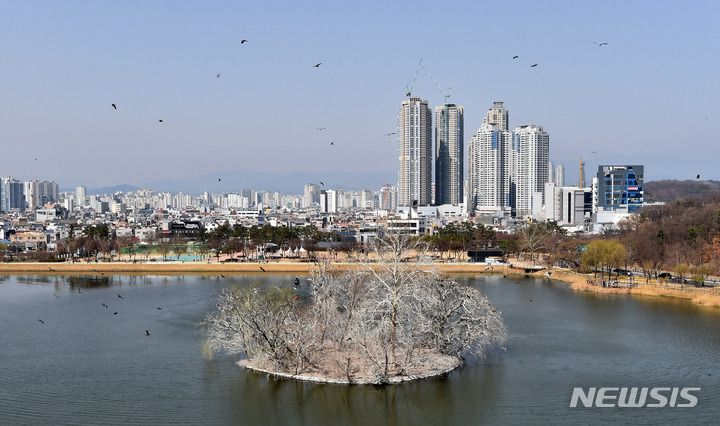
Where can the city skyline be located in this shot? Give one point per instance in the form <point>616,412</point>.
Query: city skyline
<point>258,106</point>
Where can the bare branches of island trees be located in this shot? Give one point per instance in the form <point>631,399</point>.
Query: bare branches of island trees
<point>393,319</point>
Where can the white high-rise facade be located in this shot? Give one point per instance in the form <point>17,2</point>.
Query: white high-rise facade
<point>531,150</point>
<point>488,171</point>
<point>80,196</point>
<point>449,152</point>
<point>414,153</point>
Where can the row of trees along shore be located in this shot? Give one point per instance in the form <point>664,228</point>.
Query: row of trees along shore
<point>394,318</point>
<point>682,236</point>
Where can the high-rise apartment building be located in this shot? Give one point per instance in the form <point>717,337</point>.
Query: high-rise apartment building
<point>311,196</point>
<point>560,175</point>
<point>388,197</point>
<point>449,153</point>
<point>12,196</point>
<point>488,167</point>
<point>414,153</point>
<point>531,150</point>
<point>80,196</point>
<point>498,115</point>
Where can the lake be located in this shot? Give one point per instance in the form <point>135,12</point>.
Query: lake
<point>92,364</point>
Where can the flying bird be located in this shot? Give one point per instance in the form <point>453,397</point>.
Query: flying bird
<point>219,179</point>
<point>56,295</point>
<point>120,296</point>
<point>147,333</point>
<point>51,269</point>
<point>321,183</point>
<point>533,65</point>
<point>262,269</point>
<point>222,276</point>
<point>389,134</point>
<point>160,121</point>
<point>600,44</point>
<point>41,321</point>
<point>317,65</point>
<point>530,300</point>
<point>332,143</point>
<point>321,128</point>
<point>217,76</point>
<point>114,313</point>
<point>515,57</point>
<point>698,177</point>
<point>114,106</point>
<point>243,41</point>
<point>159,308</point>
<point>104,305</point>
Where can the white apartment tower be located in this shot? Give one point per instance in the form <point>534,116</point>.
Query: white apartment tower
<point>531,150</point>
<point>80,196</point>
<point>414,153</point>
<point>449,152</point>
<point>488,168</point>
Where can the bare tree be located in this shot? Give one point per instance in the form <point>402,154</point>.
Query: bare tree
<point>369,323</point>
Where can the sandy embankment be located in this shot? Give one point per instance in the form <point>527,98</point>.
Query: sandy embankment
<point>214,267</point>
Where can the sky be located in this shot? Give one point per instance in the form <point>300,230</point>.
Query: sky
<point>650,96</point>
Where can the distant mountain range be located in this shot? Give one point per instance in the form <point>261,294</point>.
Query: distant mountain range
<point>236,180</point>
<point>293,183</point>
<point>669,190</point>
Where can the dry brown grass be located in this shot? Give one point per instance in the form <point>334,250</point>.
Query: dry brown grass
<point>204,267</point>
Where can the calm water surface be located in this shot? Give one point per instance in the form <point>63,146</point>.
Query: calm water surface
<point>88,365</point>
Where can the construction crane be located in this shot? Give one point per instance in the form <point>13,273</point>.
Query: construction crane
<point>410,89</point>
<point>445,95</point>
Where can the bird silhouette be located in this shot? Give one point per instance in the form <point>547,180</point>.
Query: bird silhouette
<point>262,269</point>
<point>321,183</point>
<point>159,308</point>
<point>56,295</point>
<point>317,65</point>
<point>147,333</point>
<point>243,41</point>
<point>104,305</point>
<point>533,65</point>
<point>698,177</point>
<point>321,128</point>
<point>114,313</point>
<point>332,143</point>
<point>408,93</point>
<point>389,134</point>
<point>217,76</point>
<point>219,180</point>
<point>530,300</point>
<point>600,44</point>
<point>41,321</point>
<point>114,106</point>
<point>51,269</point>
<point>120,296</point>
<point>515,57</point>
<point>160,121</point>
<point>222,276</point>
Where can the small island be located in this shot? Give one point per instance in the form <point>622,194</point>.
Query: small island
<point>393,320</point>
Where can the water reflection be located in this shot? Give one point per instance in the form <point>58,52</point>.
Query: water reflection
<point>88,366</point>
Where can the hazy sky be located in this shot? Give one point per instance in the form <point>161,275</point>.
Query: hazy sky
<point>650,96</point>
